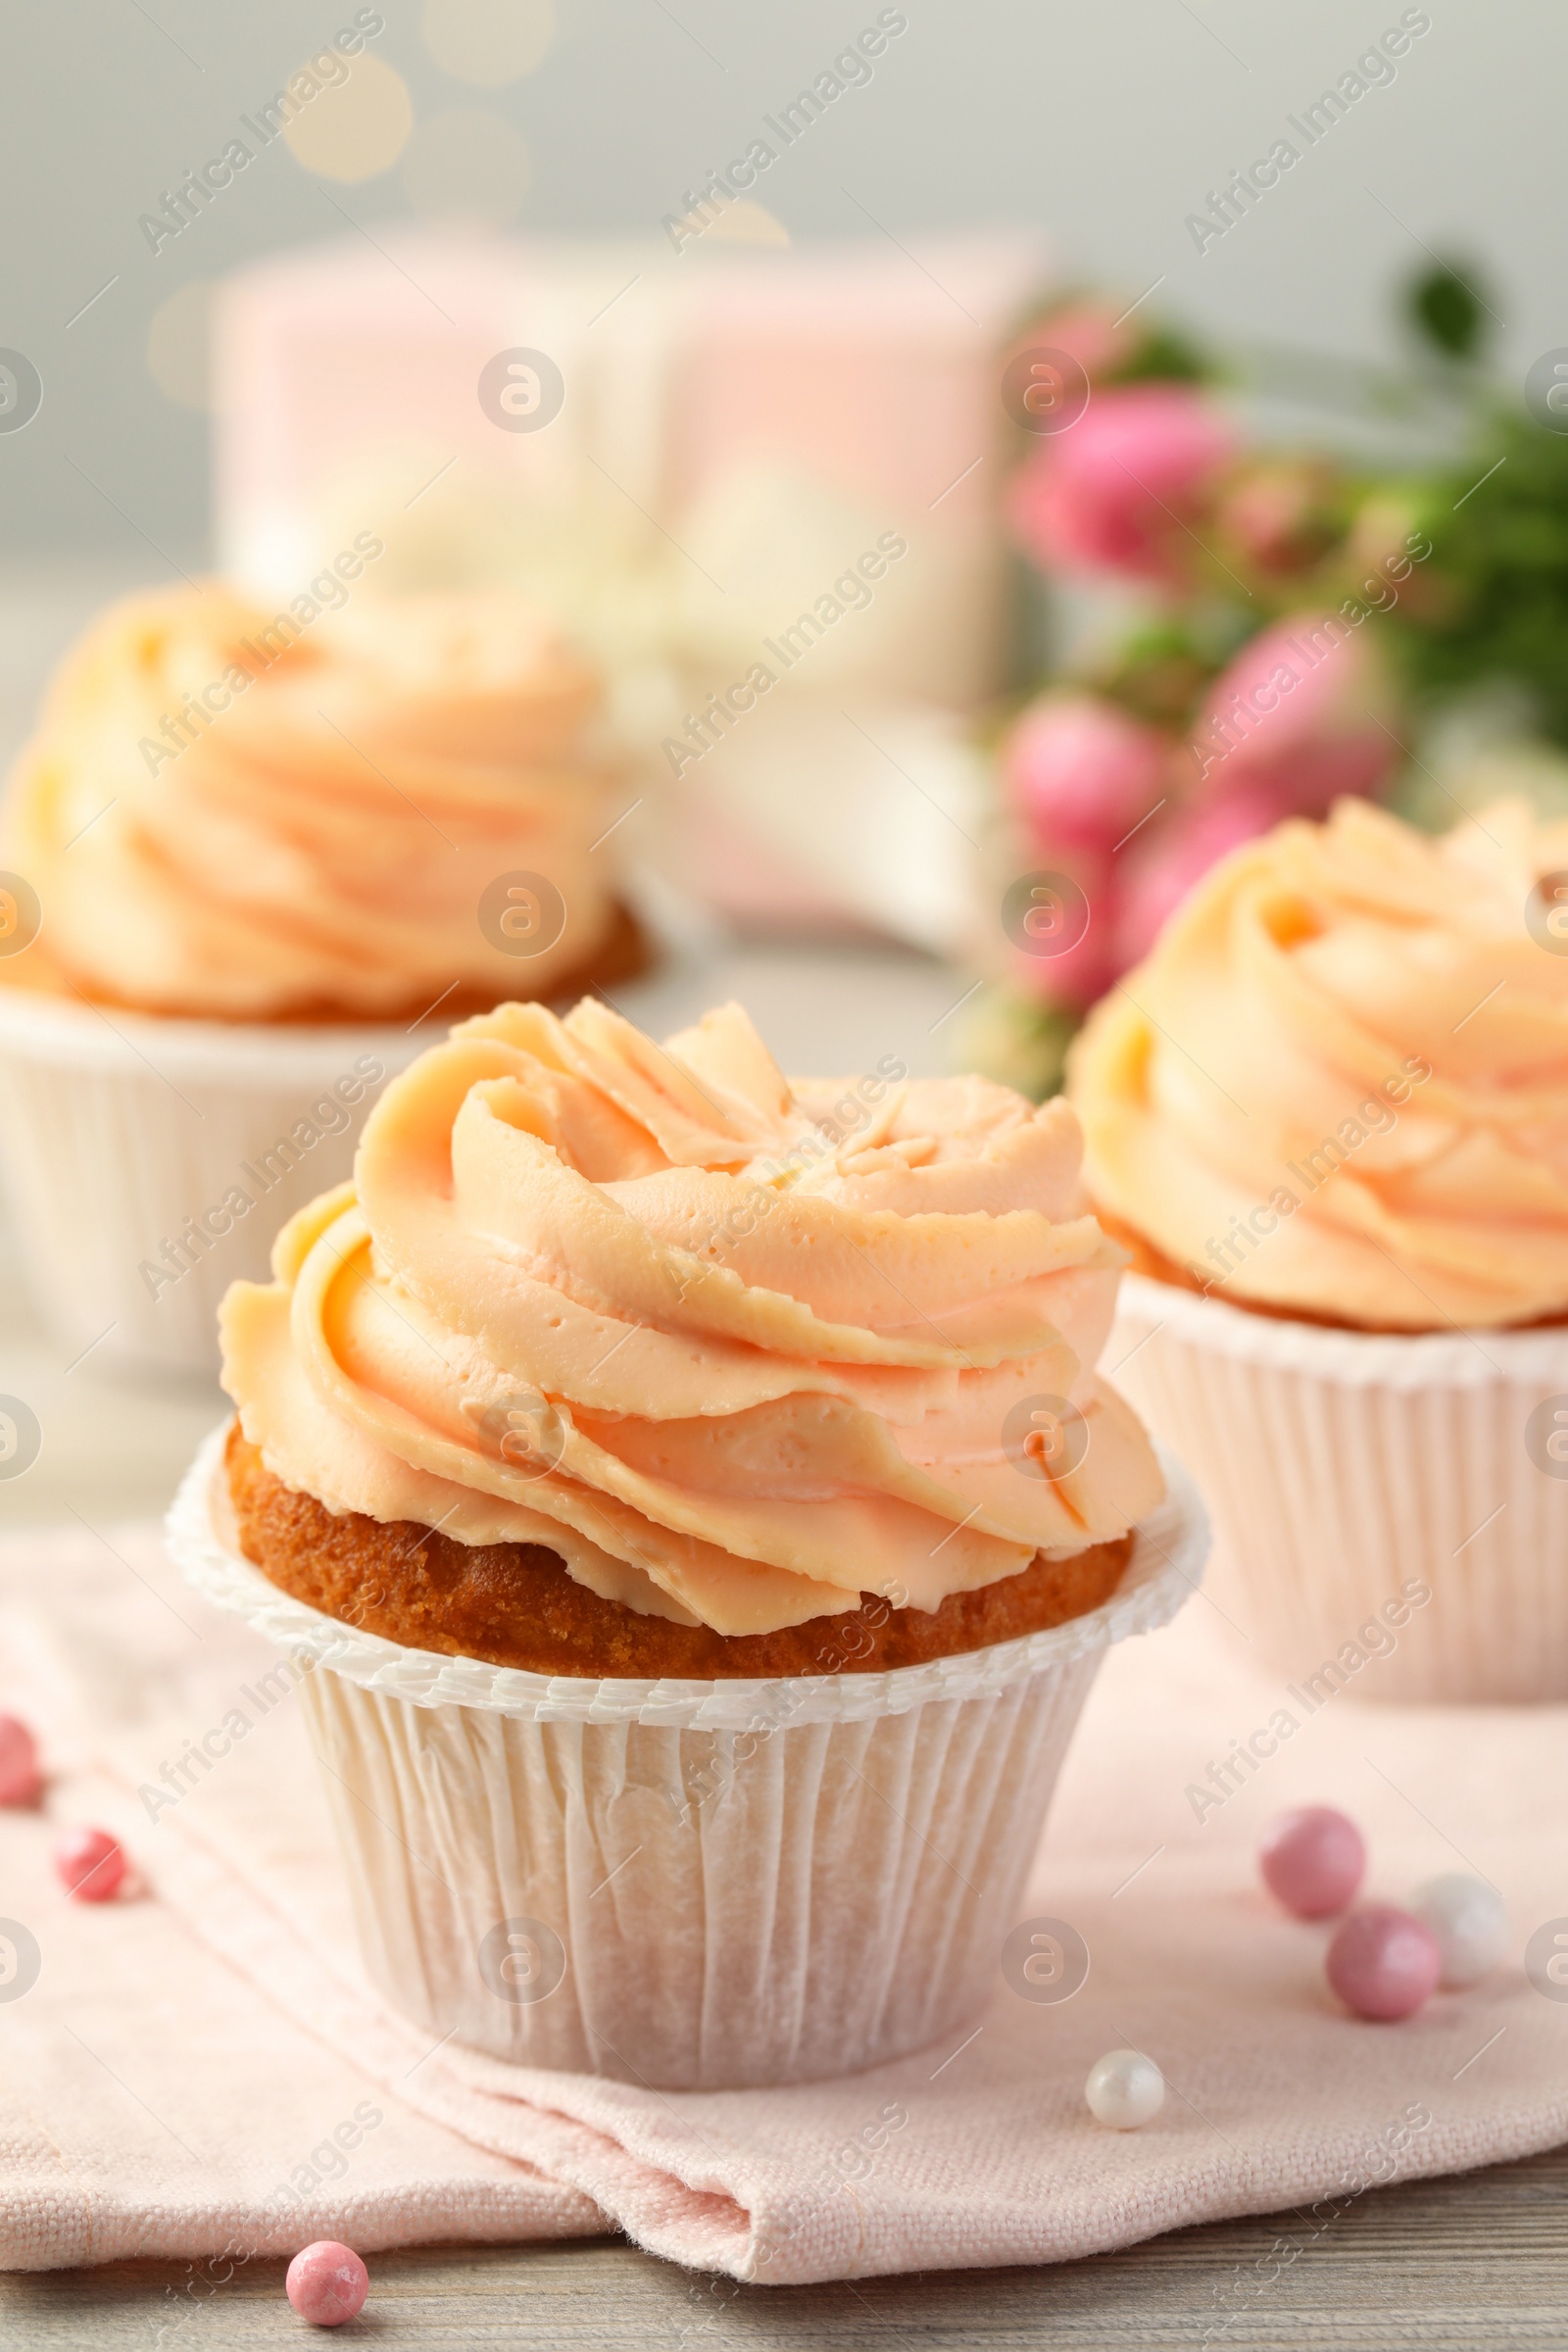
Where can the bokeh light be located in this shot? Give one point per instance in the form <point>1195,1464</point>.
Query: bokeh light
<point>743,222</point>
<point>178,336</point>
<point>356,127</point>
<point>490,43</point>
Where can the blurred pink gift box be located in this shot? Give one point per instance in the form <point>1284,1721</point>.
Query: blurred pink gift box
<point>761,486</point>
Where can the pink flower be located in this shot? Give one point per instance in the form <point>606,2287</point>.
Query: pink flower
<point>1112,492</point>
<point>1176,853</point>
<point>1301,714</point>
<point>1081,770</point>
<point>1076,974</point>
<point>1280,514</point>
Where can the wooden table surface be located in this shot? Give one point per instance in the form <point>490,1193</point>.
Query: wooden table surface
<point>1470,2262</point>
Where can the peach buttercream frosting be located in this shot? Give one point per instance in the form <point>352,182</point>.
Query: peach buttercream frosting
<point>737,1349</point>
<point>1339,1084</point>
<point>233,813</point>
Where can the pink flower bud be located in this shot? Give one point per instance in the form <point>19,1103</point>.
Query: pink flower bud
<point>1081,771</point>
<point>1115,492</point>
<point>1175,853</point>
<point>1302,713</point>
<point>1280,513</point>
<point>1077,973</point>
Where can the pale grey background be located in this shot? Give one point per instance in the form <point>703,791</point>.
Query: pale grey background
<point>1106,124</point>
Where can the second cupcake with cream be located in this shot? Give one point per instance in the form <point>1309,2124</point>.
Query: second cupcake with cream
<point>1329,1116</point>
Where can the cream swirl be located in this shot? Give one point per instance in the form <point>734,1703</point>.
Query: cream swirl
<point>650,1306</point>
<point>235,813</point>
<point>1339,1082</point>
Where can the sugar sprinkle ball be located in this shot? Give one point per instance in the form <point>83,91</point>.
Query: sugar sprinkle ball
<point>91,1863</point>
<point>1124,2090</point>
<point>1312,1860</point>
<point>1470,1922</point>
<point>19,1778</point>
<point>328,2283</point>
<point>1384,1963</point>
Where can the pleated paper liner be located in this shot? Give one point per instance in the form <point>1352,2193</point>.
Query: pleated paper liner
<point>150,1163</point>
<point>151,1160</point>
<point>692,1884</point>
<point>1392,1521</point>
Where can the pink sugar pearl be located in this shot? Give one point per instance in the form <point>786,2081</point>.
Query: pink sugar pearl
<point>1384,1963</point>
<point>19,1778</point>
<point>328,2283</point>
<point>91,1864</point>
<point>1312,1860</point>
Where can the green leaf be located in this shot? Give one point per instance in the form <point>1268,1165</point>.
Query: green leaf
<point>1447,311</point>
<point>1493,602</point>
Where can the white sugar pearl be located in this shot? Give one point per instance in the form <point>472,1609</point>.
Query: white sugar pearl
<point>1124,2090</point>
<point>1468,1919</point>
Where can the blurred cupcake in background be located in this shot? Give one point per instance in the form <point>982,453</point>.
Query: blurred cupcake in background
<point>247,856</point>
<point>1329,1116</point>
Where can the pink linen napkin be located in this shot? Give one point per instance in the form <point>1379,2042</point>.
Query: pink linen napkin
<point>202,2069</point>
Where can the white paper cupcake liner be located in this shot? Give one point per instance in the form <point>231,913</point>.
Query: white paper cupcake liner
<point>1348,1472</point>
<point>693,1884</point>
<point>115,1128</point>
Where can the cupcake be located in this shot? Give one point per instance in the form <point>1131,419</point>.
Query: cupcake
<point>244,857</point>
<point>1329,1118</point>
<point>695,1522</point>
